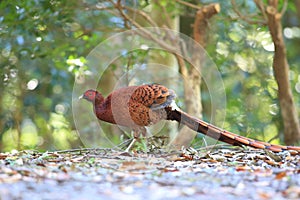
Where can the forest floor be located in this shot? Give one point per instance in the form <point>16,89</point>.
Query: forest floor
<point>225,173</point>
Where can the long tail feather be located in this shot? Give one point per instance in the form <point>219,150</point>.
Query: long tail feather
<point>220,134</point>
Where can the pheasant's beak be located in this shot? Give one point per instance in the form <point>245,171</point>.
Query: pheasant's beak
<point>80,97</point>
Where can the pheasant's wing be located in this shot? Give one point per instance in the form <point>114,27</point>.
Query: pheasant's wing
<point>153,96</point>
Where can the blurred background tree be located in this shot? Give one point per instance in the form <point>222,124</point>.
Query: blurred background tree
<point>44,45</point>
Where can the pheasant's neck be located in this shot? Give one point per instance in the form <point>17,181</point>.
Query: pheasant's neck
<point>99,99</point>
<point>102,108</point>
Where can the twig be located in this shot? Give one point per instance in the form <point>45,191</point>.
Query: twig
<point>200,24</point>
<point>143,14</point>
<point>260,5</point>
<point>246,18</point>
<point>188,4</point>
<point>163,8</point>
<point>218,146</point>
<point>82,150</point>
<point>147,34</point>
<point>146,17</point>
<point>119,8</point>
<point>285,3</point>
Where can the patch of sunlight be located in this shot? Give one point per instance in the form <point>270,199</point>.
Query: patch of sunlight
<point>270,131</point>
<point>291,32</point>
<point>32,84</point>
<point>42,27</point>
<point>269,47</point>
<point>74,135</point>
<point>144,47</point>
<point>58,121</point>
<point>272,88</point>
<point>292,75</point>
<point>222,49</point>
<point>76,61</point>
<point>246,64</point>
<point>29,136</point>
<point>297,87</point>
<point>264,38</point>
<point>235,36</point>
<point>253,82</point>
<point>60,137</point>
<point>274,109</point>
<point>10,140</point>
<point>288,33</point>
<point>62,133</point>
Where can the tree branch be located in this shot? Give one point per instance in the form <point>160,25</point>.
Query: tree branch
<point>200,24</point>
<point>118,6</point>
<point>143,14</point>
<point>246,18</point>
<point>260,5</point>
<point>188,4</point>
<point>285,4</point>
<point>163,8</point>
<point>143,31</point>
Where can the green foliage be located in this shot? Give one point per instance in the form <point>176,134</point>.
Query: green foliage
<point>39,39</point>
<point>244,54</point>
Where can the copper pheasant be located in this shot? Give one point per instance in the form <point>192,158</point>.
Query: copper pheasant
<point>139,106</point>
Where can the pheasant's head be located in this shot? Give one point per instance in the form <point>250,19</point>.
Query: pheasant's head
<point>92,96</point>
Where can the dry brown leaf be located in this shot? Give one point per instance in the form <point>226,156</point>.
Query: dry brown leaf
<point>228,155</point>
<point>271,162</point>
<point>242,168</point>
<point>170,169</point>
<point>281,175</point>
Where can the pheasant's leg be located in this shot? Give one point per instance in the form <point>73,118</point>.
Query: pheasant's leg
<point>136,135</point>
<point>130,145</point>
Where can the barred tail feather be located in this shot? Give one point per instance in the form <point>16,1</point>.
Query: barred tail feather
<point>220,134</point>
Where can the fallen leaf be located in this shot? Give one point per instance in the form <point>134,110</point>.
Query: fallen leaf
<point>281,175</point>
<point>170,169</point>
<point>242,168</point>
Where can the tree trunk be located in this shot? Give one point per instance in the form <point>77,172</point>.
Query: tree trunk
<point>281,72</point>
<point>192,81</point>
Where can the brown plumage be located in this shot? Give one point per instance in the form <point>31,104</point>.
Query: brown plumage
<point>140,106</point>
